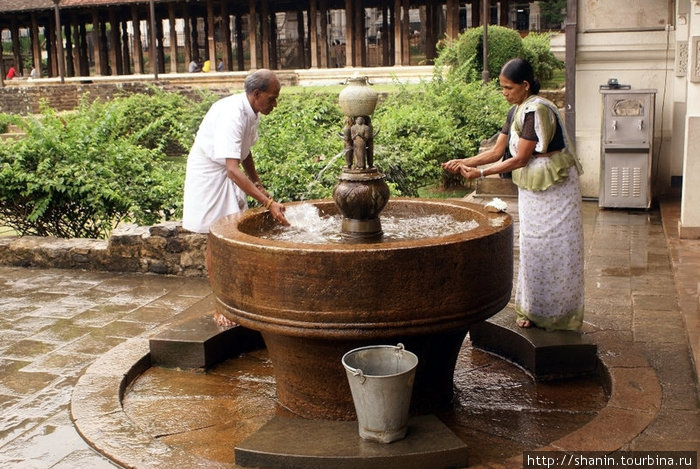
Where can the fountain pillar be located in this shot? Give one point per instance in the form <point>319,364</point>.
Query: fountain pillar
<point>361,192</point>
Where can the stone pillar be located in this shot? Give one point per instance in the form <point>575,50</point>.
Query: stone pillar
<point>689,225</point>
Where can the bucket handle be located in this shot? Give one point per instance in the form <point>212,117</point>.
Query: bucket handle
<point>357,372</point>
<point>360,376</point>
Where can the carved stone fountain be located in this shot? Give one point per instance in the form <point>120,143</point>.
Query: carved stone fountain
<point>314,302</point>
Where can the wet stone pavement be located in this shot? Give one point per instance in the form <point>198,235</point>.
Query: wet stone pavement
<point>641,311</point>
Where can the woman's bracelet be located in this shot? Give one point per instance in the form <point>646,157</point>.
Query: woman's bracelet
<point>481,173</point>
<point>269,202</point>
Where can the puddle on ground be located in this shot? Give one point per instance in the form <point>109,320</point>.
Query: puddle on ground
<point>498,411</point>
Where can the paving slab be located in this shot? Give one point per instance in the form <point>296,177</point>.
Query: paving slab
<point>324,444</point>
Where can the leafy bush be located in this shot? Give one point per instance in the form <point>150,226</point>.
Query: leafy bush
<point>421,129</point>
<point>5,121</point>
<point>299,153</point>
<point>463,56</point>
<point>536,50</point>
<point>80,174</point>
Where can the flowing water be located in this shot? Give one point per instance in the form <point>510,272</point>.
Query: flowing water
<point>307,225</point>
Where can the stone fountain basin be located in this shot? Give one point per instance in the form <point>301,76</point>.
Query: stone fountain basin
<point>314,302</point>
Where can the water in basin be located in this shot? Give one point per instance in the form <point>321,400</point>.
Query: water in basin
<point>308,225</point>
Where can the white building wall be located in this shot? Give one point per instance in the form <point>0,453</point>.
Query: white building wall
<point>690,202</point>
<point>638,50</point>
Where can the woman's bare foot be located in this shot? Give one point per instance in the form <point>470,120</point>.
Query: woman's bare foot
<point>222,320</point>
<point>524,323</point>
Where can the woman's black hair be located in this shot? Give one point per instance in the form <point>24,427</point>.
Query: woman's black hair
<point>519,71</point>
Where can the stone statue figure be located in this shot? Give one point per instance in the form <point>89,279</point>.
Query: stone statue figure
<point>362,143</point>
<point>347,138</point>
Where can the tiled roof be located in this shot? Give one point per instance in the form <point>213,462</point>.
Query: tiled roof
<point>7,6</point>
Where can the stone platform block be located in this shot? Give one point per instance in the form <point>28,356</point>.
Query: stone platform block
<point>194,340</point>
<point>292,443</point>
<point>545,355</point>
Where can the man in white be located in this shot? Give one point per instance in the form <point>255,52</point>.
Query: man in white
<point>220,168</point>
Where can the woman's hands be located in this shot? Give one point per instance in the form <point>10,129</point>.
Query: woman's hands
<point>461,167</point>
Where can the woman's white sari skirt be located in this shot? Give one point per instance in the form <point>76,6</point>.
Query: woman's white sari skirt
<point>550,286</point>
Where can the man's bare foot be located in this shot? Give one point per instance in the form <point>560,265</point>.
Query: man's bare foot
<point>222,320</point>
<point>524,323</point>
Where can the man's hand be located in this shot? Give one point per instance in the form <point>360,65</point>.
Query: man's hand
<point>277,212</point>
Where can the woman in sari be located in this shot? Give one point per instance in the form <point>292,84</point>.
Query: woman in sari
<point>549,289</point>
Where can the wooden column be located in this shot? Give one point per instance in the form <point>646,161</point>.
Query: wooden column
<point>77,46</point>
<point>211,42</point>
<point>68,53</point>
<point>452,13</point>
<point>398,42</point>
<point>386,37</point>
<point>50,39</point>
<point>313,33</point>
<point>349,34</point>
<point>96,42</point>
<point>323,39</point>
<point>186,33</point>
<point>405,34</point>
<point>240,59</point>
<point>360,47</point>
<point>505,7</point>
<point>253,34</point>
<point>16,53</point>
<point>476,13</point>
<point>160,48</point>
<point>126,55</point>
<point>265,32</point>
<point>36,44</point>
<point>227,55</point>
<point>431,27</point>
<point>194,32</point>
<point>274,56</point>
<point>173,38</point>
<point>115,57</point>
<point>104,50</point>
<point>84,52</point>
<point>137,45</point>
<point>301,46</point>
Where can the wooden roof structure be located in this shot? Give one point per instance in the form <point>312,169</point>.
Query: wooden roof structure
<point>77,38</point>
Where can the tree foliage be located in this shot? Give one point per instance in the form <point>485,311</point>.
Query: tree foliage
<point>462,59</point>
<point>80,174</point>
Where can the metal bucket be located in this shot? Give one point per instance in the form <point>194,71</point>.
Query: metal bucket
<point>381,381</point>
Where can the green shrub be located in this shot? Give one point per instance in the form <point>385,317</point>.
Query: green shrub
<point>418,130</point>
<point>71,176</point>
<point>299,153</point>
<point>537,51</point>
<point>463,56</point>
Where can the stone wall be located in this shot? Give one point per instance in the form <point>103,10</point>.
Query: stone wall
<point>27,99</point>
<point>165,248</point>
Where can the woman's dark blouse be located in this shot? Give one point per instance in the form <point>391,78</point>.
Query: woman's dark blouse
<point>528,131</point>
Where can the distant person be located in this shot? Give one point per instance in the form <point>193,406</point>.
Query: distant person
<point>220,65</point>
<point>11,73</point>
<point>339,53</point>
<point>549,289</point>
<point>32,74</point>
<point>207,66</point>
<point>193,66</point>
<point>220,172</point>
